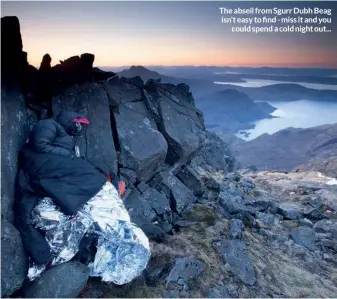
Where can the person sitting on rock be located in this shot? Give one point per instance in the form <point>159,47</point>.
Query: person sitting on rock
<point>64,198</point>
<point>49,167</point>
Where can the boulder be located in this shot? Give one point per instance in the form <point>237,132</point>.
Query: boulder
<point>159,202</point>
<point>14,262</point>
<point>236,229</point>
<point>122,91</point>
<point>178,120</point>
<point>192,180</point>
<point>142,187</point>
<point>290,211</point>
<point>218,291</point>
<point>14,60</point>
<point>268,220</point>
<point>235,254</point>
<point>326,226</point>
<point>184,270</point>
<point>15,129</point>
<point>142,148</point>
<point>62,281</point>
<point>98,145</point>
<point>215,153</point>
<point>304,236</point>
<point>180,132</point>
<point>233,203</point>
<point>137,206</point>
<point>168,183</point>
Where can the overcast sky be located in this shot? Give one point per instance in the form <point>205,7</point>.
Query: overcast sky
<point>164,33</point>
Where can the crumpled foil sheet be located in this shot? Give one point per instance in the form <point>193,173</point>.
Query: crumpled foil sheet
<point>123,249</point>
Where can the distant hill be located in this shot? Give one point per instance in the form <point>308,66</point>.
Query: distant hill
<point>327,166</point>
<point>232,110</point>
<point>198,87</point>
<point>287,148</point>
<point>285,92</point>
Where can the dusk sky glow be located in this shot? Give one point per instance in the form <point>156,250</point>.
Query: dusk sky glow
<point>164,33</point>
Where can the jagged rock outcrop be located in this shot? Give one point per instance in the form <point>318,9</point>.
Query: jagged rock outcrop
<point>180,122</point>
<point>62,281</point>
<point>14,128</point>
<point>14,60</point>
<point>142,147</point>
<point>14,262</point>
<point>98,144</point>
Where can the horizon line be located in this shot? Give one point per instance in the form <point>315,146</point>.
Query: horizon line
<point>219,66</point>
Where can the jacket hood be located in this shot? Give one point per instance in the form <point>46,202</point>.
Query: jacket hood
<point>65,117</point>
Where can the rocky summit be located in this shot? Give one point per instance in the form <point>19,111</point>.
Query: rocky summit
<point>215,230</point>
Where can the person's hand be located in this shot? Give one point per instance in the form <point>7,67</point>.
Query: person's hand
<point>121,188</point>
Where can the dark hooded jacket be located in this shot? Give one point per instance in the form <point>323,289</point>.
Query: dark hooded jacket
<point>49,167</point>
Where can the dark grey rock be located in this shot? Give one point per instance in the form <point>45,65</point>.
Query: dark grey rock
<point>290,211</point>
<point>261,205</point>
<point>142,187</point>
<point>192,180</point>
<point>138,206</point>
<point>247,185</point>
<point>217,292</point>
<point>121,90</point>
<point>211,183</point>
<point>180,131</point>
<point>128,175</point>
<point>304,236</point>
<point>215,153</point>
<point>326,226</point>
<point>181,195</point>
<point>299,250</point>
<point>280,238</point>
<point>233,204</point>
<point>142,148</point>
<point>232,290</point>
<point>156,270</point>
<point>315,214</point>
<point>171,294</point>
<point>14,128</point>
<point>326,233</point>
<point>235,254</point>
<point>236,229</point>
<point>152,231</point>
<point>165,226</point>
<point>184,223</point>
<point>247,219</point>
<point>184,270</point>
<point>316,202</point>
<point>234,176</point>
<point>159,202</point>
<point>14,262</point>
<point>268,220</point>
<point>62,281</point>
<point>266,233</point>
<point>306,222</point>
<point>91,99</point>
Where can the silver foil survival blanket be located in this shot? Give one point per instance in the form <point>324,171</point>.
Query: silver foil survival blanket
<point>123,249</point>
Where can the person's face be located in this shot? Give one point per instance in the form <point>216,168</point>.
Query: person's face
<point>78,129</point>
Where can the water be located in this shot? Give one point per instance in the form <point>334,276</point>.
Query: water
<point>298,114</point>
<point>261,82</point>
